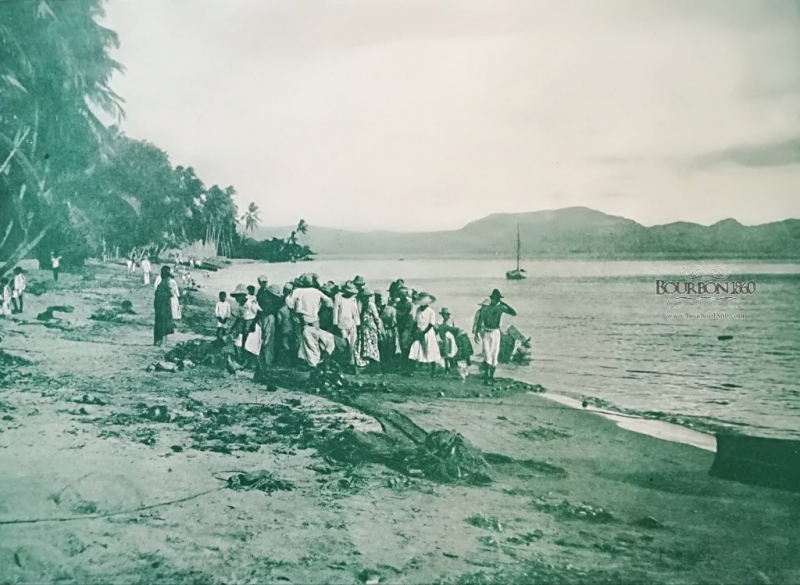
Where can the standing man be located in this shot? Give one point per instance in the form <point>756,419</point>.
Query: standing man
<point>55,263</point>
<point>305,302</point>
<point>347,318</point>
<point>20,284</point>
<point>487,331</point>
<point>146,269</point>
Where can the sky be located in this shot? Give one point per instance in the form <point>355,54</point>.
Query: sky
<point>427,114</point>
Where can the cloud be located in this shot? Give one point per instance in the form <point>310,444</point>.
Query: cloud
<point>427,114</point>
<point>784,152</point>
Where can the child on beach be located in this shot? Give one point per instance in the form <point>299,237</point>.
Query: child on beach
<point>222,312</point>
<point>19,288</point>
<point>146,269</point>
<point>5,298</point>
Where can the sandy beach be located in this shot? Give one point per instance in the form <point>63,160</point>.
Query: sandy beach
<point>113,472</point>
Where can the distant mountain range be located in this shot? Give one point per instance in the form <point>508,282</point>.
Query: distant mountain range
<point>574,232</point>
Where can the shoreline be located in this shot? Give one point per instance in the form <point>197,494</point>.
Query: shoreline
<point>580,499</point>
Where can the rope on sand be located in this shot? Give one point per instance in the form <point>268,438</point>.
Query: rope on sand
<point>110,514</point>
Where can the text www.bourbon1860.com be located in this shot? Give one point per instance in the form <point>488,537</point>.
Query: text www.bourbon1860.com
<point>713,315</point>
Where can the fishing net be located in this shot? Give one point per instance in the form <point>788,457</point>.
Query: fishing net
<point>448,457</point>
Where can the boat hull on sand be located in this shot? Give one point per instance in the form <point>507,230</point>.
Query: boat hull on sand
<point>758,460</point>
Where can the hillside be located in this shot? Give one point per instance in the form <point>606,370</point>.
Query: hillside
<point>575,232</point>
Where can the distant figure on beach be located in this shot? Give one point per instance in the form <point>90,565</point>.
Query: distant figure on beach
<point>347,318</point>
<point>487,331</point>
<point>132,263</point>
<point>146,269</point>
<point>166,291</point>
<point>222,312</point>
<point>425,348</point>
<point>55,264</point>
<point>18,292</point>
<point>5,297</point>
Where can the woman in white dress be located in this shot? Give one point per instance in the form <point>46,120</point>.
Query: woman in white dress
<point>425,348</point>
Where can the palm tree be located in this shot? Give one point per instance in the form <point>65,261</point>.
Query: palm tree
<point>251,217</point>
<point>55,63</point>
<point>302,227</point>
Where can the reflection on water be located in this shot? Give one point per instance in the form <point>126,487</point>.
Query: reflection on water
<point>599,330</point>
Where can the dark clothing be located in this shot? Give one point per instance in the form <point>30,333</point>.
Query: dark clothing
<point>55,274</point>
<point>285,337</point>
<point>164,325</point>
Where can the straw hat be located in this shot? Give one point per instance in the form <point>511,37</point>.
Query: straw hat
<point>263,278</point>
<point>366,292</point>
<point>425,299</point>
<point>275,290</point>
<point>239,290</point>
<point>350,288</point>
<point>359,281</point>
<point>445,311</point>
<point>287,288</point>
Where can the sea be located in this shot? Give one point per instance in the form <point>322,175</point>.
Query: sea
<point>600,331</point>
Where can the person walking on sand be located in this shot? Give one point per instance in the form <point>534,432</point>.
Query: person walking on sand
<point>162,303</point>
<point>55,264</point>
<point>146,268</point>
<point>347,318</point>
<point>425,348</point>
<point>18,292</point>
<point>487,331</point>
<point>5,297</point>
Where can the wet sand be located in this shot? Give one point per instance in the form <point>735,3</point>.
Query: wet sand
<point>82,485</point>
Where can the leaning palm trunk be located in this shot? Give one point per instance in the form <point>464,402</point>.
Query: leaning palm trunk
<point>22,251</point>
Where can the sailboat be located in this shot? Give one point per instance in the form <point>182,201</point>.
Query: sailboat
<point>519,273</point>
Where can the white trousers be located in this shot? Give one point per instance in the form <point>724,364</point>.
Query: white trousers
<point>490,341</point>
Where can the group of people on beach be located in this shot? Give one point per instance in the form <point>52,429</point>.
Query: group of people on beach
<point>305,322</point>
<point>13,293</point>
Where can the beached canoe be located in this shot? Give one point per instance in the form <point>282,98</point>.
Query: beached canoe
<point>758,460</point>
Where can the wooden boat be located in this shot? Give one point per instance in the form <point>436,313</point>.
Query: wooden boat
<point>758,460</point>
<point>519,273</point>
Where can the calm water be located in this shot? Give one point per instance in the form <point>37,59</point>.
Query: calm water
<point>599,330</point>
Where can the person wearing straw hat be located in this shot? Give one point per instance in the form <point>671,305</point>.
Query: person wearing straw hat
<point>449,347</point>
<point>359,282</point>
<point>347,318</point>
<point>487,331</point>
<point>369,329</point>
<point>268,322</point>
<point>425,348</point>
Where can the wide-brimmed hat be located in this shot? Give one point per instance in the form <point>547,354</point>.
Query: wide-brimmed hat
<point>263,278</point>
<point>495,294</point>
<point>350,288</point>
<point>426,299</point>
<point>445,311</point>
<point>288,287</point>
<point>366,292</point>
<point>239,290</point>
<point>359,281</point>
<point>275,290</point>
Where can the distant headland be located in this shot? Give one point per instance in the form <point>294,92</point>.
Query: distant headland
<point>573,232</point>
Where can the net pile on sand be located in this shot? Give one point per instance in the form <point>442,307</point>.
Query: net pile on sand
<point>199,351</point>
<point>448,457</point>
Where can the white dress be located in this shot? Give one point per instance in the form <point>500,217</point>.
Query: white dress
<point>427,350</point>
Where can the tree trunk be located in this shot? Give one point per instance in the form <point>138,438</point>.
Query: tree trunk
<point>22,250</point>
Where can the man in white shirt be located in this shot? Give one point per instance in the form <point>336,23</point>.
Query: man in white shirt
<point>20,284</point>
<point>55,263</point>
<point>346,317</point>
<point>305,302</point>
